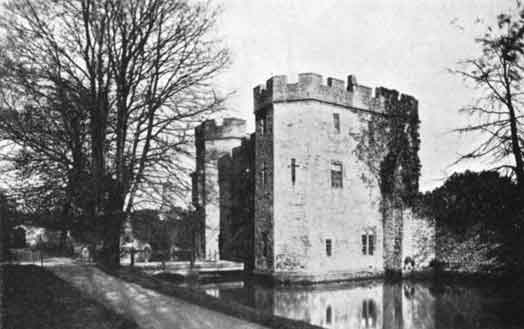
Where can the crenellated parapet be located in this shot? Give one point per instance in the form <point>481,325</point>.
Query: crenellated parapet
<point>229,128</point>
<point>310,86</point>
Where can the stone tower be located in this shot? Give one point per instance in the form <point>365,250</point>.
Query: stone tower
<point>212,141</point>
<point>318,197</point>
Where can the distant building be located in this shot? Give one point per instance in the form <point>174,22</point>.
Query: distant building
<point>319,191</point>
<point>212,141</point>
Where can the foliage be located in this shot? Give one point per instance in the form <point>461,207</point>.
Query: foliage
<point>469,198</point>
<point>483,204</point>
<point>389,145</point>
<point>99,99</point>
<point>162,231</point>
<point>497,75</point>
<point>403,145</point>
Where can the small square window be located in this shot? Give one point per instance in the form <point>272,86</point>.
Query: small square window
<point>336,122</point>
<point>336,174</point>
<point>328,247</point>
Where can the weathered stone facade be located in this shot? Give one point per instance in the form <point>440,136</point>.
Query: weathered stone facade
<point>309,227</point>
<point>237,203</point>
<point>418,242</point>
<point>212,141</point>
<point>321,190</point>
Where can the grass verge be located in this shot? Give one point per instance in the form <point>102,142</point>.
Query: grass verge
<point>33,297</point>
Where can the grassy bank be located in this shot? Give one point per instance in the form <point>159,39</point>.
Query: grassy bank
<point>33,297</point>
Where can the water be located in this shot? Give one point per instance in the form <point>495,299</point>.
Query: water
<point>380,305</point>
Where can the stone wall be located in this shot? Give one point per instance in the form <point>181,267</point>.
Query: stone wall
<point>393,233</point>
<point>212,141</point>
<point>311,211</point>
<point>4,233</point>
<point>418,241</point>
<point>310,87</point>
<point>264,192</point>
<point>237,189</point>
<point>307,214</point>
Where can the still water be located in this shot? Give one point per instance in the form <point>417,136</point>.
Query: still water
<point>381,305</point>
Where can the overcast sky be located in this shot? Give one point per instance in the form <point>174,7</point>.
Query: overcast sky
<point>400,44</point>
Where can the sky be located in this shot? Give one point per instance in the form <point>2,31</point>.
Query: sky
<point>399,44</point>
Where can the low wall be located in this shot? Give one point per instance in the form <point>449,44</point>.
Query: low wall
<point>418,241</point>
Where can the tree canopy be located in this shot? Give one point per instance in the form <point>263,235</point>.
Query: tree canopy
<point>99,98</point>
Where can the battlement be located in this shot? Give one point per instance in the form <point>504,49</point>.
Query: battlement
<point>228,128</point>
<point>247,144</point>
<point>393,95</point>
<point>310,86</point>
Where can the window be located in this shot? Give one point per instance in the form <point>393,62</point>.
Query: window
<point>368,244</point>
<point>262,124</point>
<point>329,316</point>
<point>336,122</point>
<point>265,244</point>
<point>293,170</point>
<point>328,247</point>
<point>263,174</point>
<point>371,244</point>
<point>336,174</point>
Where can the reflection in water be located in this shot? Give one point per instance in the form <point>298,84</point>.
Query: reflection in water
<point>377,305</point>
<point>328,315</point>
<point>369,314</point>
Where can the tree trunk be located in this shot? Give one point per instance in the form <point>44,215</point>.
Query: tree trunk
<point>515,147</point>
<point>111,249</point>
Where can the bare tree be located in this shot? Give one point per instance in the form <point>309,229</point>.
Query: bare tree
<point>497,74</point>
<point>119,85</point>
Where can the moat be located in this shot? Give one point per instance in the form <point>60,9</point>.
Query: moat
<point>381,305</point>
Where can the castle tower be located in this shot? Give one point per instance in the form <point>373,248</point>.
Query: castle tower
<point>212,141</point>
<point>318,199</point>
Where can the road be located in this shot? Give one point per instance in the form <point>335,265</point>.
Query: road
<point>148,308</point>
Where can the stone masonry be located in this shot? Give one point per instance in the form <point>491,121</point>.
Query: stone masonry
<point>212,141</point>
<point>318,192</point>
<point>237,203</point>
<point>314,228</point>
<point>320,211</point>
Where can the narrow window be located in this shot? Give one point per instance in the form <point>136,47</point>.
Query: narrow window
<point>293,170</point>
<point>265,244</point>
<point>336,174</point>
<point>371,244</point>
<point>328,247</point>
<point>263,174</point>
<point>329,316</point>
<point>364,244</point>
<point>336,122</point>
<point>262,124</point>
